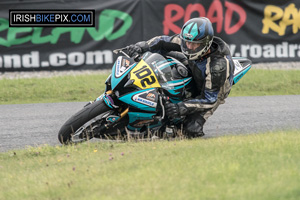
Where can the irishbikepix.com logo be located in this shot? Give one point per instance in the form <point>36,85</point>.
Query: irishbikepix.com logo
<point>57,18</point>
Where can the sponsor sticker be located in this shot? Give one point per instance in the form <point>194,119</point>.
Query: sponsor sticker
<point>142,123</point>
<point>144,101</point>
<point>150,96</point>
<point>125,63</point>
<point>121,66</point>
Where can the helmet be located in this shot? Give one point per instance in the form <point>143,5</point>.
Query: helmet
<point>199,31</point>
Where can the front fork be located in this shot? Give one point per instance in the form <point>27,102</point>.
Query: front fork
<point>114,119</point>
<point>111,120</point>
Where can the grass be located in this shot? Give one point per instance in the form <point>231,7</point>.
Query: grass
<point>256,166</point>
<point>50,90</point>
<point>258,82</point>
<point>88,87</point>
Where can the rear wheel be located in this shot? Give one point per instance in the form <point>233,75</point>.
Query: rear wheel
<point>80,127</point>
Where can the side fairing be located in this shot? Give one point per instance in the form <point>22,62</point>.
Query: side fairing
<point>143,99</point>
<point>121,69</point>
<point>175,87</point>
<point>140,120</point>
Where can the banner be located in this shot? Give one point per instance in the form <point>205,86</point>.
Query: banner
<point>65,48</point>
<point>262,31</point>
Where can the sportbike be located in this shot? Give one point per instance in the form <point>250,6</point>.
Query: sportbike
<point>132,104</point>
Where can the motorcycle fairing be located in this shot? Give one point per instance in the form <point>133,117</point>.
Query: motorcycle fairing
<point>242,66</point>
<point>164,64</point>
<point>138,120</point>
<point>177,86</point>
<point>141,99</point>
<point>151,127</point>
<point>112,118</point>
<point>138,116</point>
<point>143,76</point>
<point>108,101</point>
<point>120,69</point>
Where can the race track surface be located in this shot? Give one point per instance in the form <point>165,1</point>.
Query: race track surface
<point>36,124</point>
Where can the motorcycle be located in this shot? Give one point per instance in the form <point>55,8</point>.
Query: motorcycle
<point>132,104</point>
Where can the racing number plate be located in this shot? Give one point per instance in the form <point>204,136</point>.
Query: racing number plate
<point>144,76</point>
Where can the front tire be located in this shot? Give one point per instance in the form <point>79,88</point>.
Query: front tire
<point>79,119</point>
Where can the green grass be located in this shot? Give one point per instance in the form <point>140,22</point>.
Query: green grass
<point>268,82</point>
<point>50,90</point>
<point>88,87</point>
<point>257,166</point>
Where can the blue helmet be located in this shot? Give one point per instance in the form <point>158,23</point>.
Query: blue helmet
<point>196,30</point>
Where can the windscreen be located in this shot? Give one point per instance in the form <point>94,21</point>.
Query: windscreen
<point>161,67</point>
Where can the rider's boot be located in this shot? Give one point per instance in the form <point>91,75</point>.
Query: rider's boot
<point>193,126</point>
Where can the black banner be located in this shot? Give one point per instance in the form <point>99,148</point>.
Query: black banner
<point>64,48</point>
<point>264,31</point>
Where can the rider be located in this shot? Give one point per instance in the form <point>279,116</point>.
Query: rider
<point>210,63</point>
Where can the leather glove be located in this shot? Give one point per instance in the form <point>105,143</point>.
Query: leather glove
<point>138,48</point>
<point>175,110</point>
<point>134,50</point>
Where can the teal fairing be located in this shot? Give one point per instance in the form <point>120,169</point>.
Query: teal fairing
<point>144,104</point>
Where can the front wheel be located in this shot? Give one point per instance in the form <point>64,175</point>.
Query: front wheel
<point>81,125</point>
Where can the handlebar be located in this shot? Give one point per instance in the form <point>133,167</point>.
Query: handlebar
<point>136,56</point>
<point>116,51</point>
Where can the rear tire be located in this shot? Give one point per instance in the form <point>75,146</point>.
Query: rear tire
<point>79,119</point>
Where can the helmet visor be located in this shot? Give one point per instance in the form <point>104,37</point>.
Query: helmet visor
<point>193,47</point>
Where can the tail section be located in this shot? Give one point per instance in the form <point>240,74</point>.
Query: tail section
<point>242,66</point>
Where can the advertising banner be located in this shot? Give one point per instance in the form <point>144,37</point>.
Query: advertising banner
<point>264,31</point>
<point>66,48</point>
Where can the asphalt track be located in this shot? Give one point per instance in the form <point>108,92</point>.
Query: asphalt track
<point>26,125</point>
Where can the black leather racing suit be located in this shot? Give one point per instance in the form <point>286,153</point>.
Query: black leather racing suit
<point>213,77</point>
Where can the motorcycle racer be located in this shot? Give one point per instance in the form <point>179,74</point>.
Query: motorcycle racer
<point>211,66</point>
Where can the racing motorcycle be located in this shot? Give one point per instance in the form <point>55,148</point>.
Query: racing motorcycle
<point>132,104</point>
